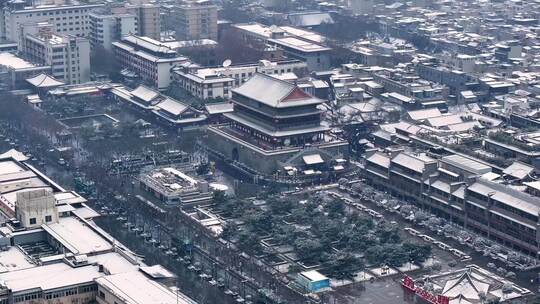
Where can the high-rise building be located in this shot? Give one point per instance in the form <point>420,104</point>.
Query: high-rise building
<point>65,19</point>
<point>68,55</point>
<point>296,43</point>
<point>114,21</point>
<point>148,21</point>
<point>107,27</point>
<point>196,20</point>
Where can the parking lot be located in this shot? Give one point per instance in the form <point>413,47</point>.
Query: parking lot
<point>458,247</point>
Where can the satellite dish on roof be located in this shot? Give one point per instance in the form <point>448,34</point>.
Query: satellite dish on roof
<point>227,63</point>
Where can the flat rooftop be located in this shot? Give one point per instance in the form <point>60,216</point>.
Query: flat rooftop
<point>11,61</point>
<point>8,167</point>
<point>305,34</point>
<point>113,262</point>
<point>466,163</point>
<point>135,288</point>
<point>77,236</point>
<point>14,259</point>
<point>49,277</point>
<point>299,44</point>
<point>314,275</point>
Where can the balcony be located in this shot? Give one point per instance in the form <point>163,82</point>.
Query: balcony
<point>227,131</point>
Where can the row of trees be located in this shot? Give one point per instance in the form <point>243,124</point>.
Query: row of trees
<point>19,114</point>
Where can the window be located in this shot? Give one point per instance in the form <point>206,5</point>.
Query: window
<point>33,221</point>
<point>48,218</point>
<point>101,294</point>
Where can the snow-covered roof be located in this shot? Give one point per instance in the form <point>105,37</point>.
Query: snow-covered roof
<point>48,277</point>
<point>16,155</point>
<point>518,170</point>
<point>219,108</point>
<point>135,288</point>
<point>274,92</point>
<point>414,163</point>
<point>313,275</point>
<point>171,106</point>
<point>467,286</point>
<point>12,61</point>
<point>313,159</point>
<point>44,81</point>
<point>380,159</point>
<point>77,237</point>
<point>424,114</point>
<point>144,93</point>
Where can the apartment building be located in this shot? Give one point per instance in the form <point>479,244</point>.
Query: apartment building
<point>68,55</point>
<point>148,18</point>
<point>107,27</point>
<point>296,43</point>
<point>66,19</point>
<point>316,56</point>
<point>217,82</point>
<point>151,60</point>
<point>457,81</point>
<point>410,85</point>
<point>453,187</point>
<point>195,20</point>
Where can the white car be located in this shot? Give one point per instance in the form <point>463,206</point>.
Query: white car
<point>427,238</point>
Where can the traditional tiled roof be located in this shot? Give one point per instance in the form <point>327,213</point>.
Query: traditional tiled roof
<point>274,92</point>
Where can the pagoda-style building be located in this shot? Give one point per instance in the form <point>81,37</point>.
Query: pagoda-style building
<point>278,122</point>
<point>276,112</point>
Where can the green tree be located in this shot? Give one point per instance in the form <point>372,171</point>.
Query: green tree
<point>417,253</point>
<point>249,242</point>
<point>285,234</point>
<point>230,230</point>
<point>375,254</point>
<point>299,215</point>
<point>280,206</point>
<point>395,255</point>
<point>261,221</point>
<point>343,265</point>
<point>388,234</point>
<point>308,250</point>
<point>335,208</point>
<point>219,197</point>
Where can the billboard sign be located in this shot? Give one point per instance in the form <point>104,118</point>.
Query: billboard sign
<point>408,283</point>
